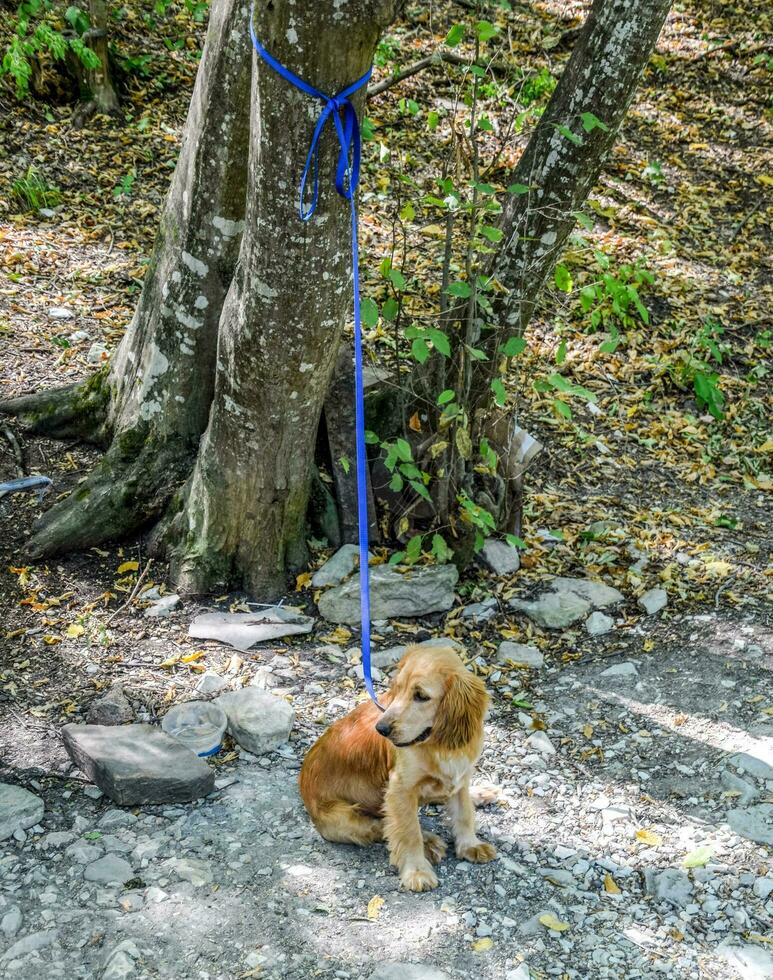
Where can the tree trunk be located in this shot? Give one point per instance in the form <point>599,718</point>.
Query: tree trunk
<point>244,518</point>
<point>97,83</point>
<point>599,81</point>
<point>153,401</point>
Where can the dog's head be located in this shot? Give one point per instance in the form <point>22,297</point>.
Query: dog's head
<point>434,697</point>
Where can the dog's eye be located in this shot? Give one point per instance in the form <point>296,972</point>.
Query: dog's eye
<point>420,696</point>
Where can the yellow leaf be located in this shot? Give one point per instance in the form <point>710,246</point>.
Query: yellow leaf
<point>766,447</point>
<point>610,885</point>
<point>170,661</point>
<point>765,179</point>
<point>698,858</point>
<point>648,645</point>
<point>649,837</point>
<point>374,907</point>
<point>549,921</point>
<point>414,423</point>
<point>74,630</point>
<point>482,945</point>
<point>302,581</point>
<point>588,731</point>
<point>51,640</point>
<point>190,658</point>
<point>340,636</point>
<point>127,566</point>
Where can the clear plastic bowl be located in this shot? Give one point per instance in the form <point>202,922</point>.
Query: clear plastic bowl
<point>198,725</point>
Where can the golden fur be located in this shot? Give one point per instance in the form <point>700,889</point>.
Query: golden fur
<point>360,786</point>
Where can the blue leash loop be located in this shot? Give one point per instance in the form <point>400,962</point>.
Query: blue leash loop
<point>347,127</point>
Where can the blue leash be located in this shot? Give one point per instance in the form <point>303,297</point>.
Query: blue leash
<point>346,179</point>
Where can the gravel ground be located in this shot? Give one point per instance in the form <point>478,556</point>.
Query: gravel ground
<point>595,810</point>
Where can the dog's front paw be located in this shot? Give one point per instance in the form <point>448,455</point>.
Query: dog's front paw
<point>420,879</point>
<point>479,852</point>
<point>434,847</point>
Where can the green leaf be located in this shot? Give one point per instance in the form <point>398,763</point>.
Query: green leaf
<point>561,353</point>
<point>440,341</point>
<point>371,438</point>
<point>486,30</point>
<point>485,124</point>
<point>485,188</point>
<point>345,465</point>
<point>396,483</point>
<point>568,134</point>
<point>514,541</point>
<point>591,122</point>
<point>390,309</point>
<point>396,558</point>
<point>440,549</point>
<point>500,395</point>
<point>446,396</point>
<point>432,120</point>
<point>461,289</point>
<point>407,212</point>
<point>403,448</point>
<point>386,265</point>
<point>584,220</point>
<point>455,35</point>
<point>491,233</point>
<point>699,857</point>
<point>562,408</point>
<point>369,312</point>
<point>559,382</point>
<point>421,490</point>
<point>563,278</point>
<point>397,279</point>
<point>420,350</point>
<point>410,471</point>
<point>413,548</point>
<point>513,346</point>
<point>518,189</point>
<point>477,353</point>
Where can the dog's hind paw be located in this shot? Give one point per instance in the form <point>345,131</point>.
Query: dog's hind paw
<point>418,879</point>
<point>478,853</point>
<point>434,847</point>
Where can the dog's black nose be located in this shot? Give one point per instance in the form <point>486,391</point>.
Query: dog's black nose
<point>383,727</point>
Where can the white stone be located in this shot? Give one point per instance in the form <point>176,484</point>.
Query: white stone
<point>107,869</point>
<point>623,670</point>
<point>653,601</point>
<point>19,809</point>
<point>11,922</point>
<point>407,971</point>
<point>259,722</point>
<point>338,567</point>
<point>502,558</point>
<point>163,607</point>
<point>520,653</point>
<point>598,623</point>
<point>540,741</point>
<point>417,591</point>
<point>211,683</point>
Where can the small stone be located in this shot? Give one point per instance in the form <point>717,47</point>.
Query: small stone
<point>194,870</point>
<point>758,762</point>
<point>60,313</point>
<point>597,594</point>
<point>57,838</point>
<point>138,763</point>
<point>407,971</point>
<point>748,791</point>
<point>420,590</point>
<point>111,709</point>
<point>671,886</point>
<point>540,741</point>
<point>258,721</point>
<point>481,612</point>
<point>554,610</point>
<point>625,670</point>
<point>749,961</point>
<point>338,567</point>
<point>83,853</point>
<point>598,623</point>
<point>120,962</point>
<point>653,601</point>
<point>29,944</point>
<point>762,888</point>
<point>753,822</point>
<point>11,922</point>
<point>211,683</point>
<point>499,556</point>
<point>19,809</point>
<point>163,607</point>
<point>108,869</point>
<point>111,819</point>
<point>520,973</point>
<point>520,654</point>
<point>97,354</point>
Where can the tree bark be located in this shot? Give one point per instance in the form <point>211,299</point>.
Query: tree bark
<point>600,78</point>
<point>153,401</point>
<point>244,518</point>
<point>99,81</point>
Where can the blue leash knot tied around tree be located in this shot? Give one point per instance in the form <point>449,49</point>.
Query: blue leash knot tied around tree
<point>340,109</point>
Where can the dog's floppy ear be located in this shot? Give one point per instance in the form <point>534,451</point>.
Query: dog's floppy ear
<point>461,710</point>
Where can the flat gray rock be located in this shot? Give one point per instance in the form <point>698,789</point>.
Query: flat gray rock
<point>653,601</point>
<point>481,612</point>
<point>554,610</point>
<point>753,822</point>
<point>163,607</point>
<point>597,594</point>
<point>499,556</point>
<point>625,670</point>
<point>108,869</point>
<point>257,720</point>
<point>19,809</point>
<point>111,709</point>
<point>750,961</point>
<point>598,623</point>
<point>138,764</point>
<point>419,591</point>
<point>30,943</point>
<point>407,971</point>
<point>338,567</point>
<point>385,658</point>
<point>521,654</point>
<point>758,762</point>
<point>671,886</point>
<point>541,743</point>
<point>211,683</point>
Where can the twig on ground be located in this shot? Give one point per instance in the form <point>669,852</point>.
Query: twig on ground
<point>133,594</point>
<point>18,452</point>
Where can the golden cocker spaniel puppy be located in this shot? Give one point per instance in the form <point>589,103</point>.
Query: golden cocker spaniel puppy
<point>367,775</point>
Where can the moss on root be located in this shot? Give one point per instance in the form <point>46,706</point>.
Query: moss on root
<point>76,411</point>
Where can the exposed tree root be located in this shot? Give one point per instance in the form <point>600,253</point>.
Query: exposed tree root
<point>77,411</point>
<point>130,486</point>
